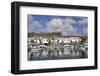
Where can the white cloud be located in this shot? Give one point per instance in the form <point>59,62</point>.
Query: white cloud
<point>84,24</point>
<point>61,25</point>
<point>32,23</point>
<point>69,21</point>
<point>54,25</point>
<point>83,21</point>
<point>66,26</point>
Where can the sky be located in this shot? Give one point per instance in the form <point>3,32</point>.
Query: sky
<point>67,25</point>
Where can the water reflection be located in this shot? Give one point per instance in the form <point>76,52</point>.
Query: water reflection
<point>52,52</point>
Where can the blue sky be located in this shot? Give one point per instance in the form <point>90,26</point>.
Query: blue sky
<point>68,25</point>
